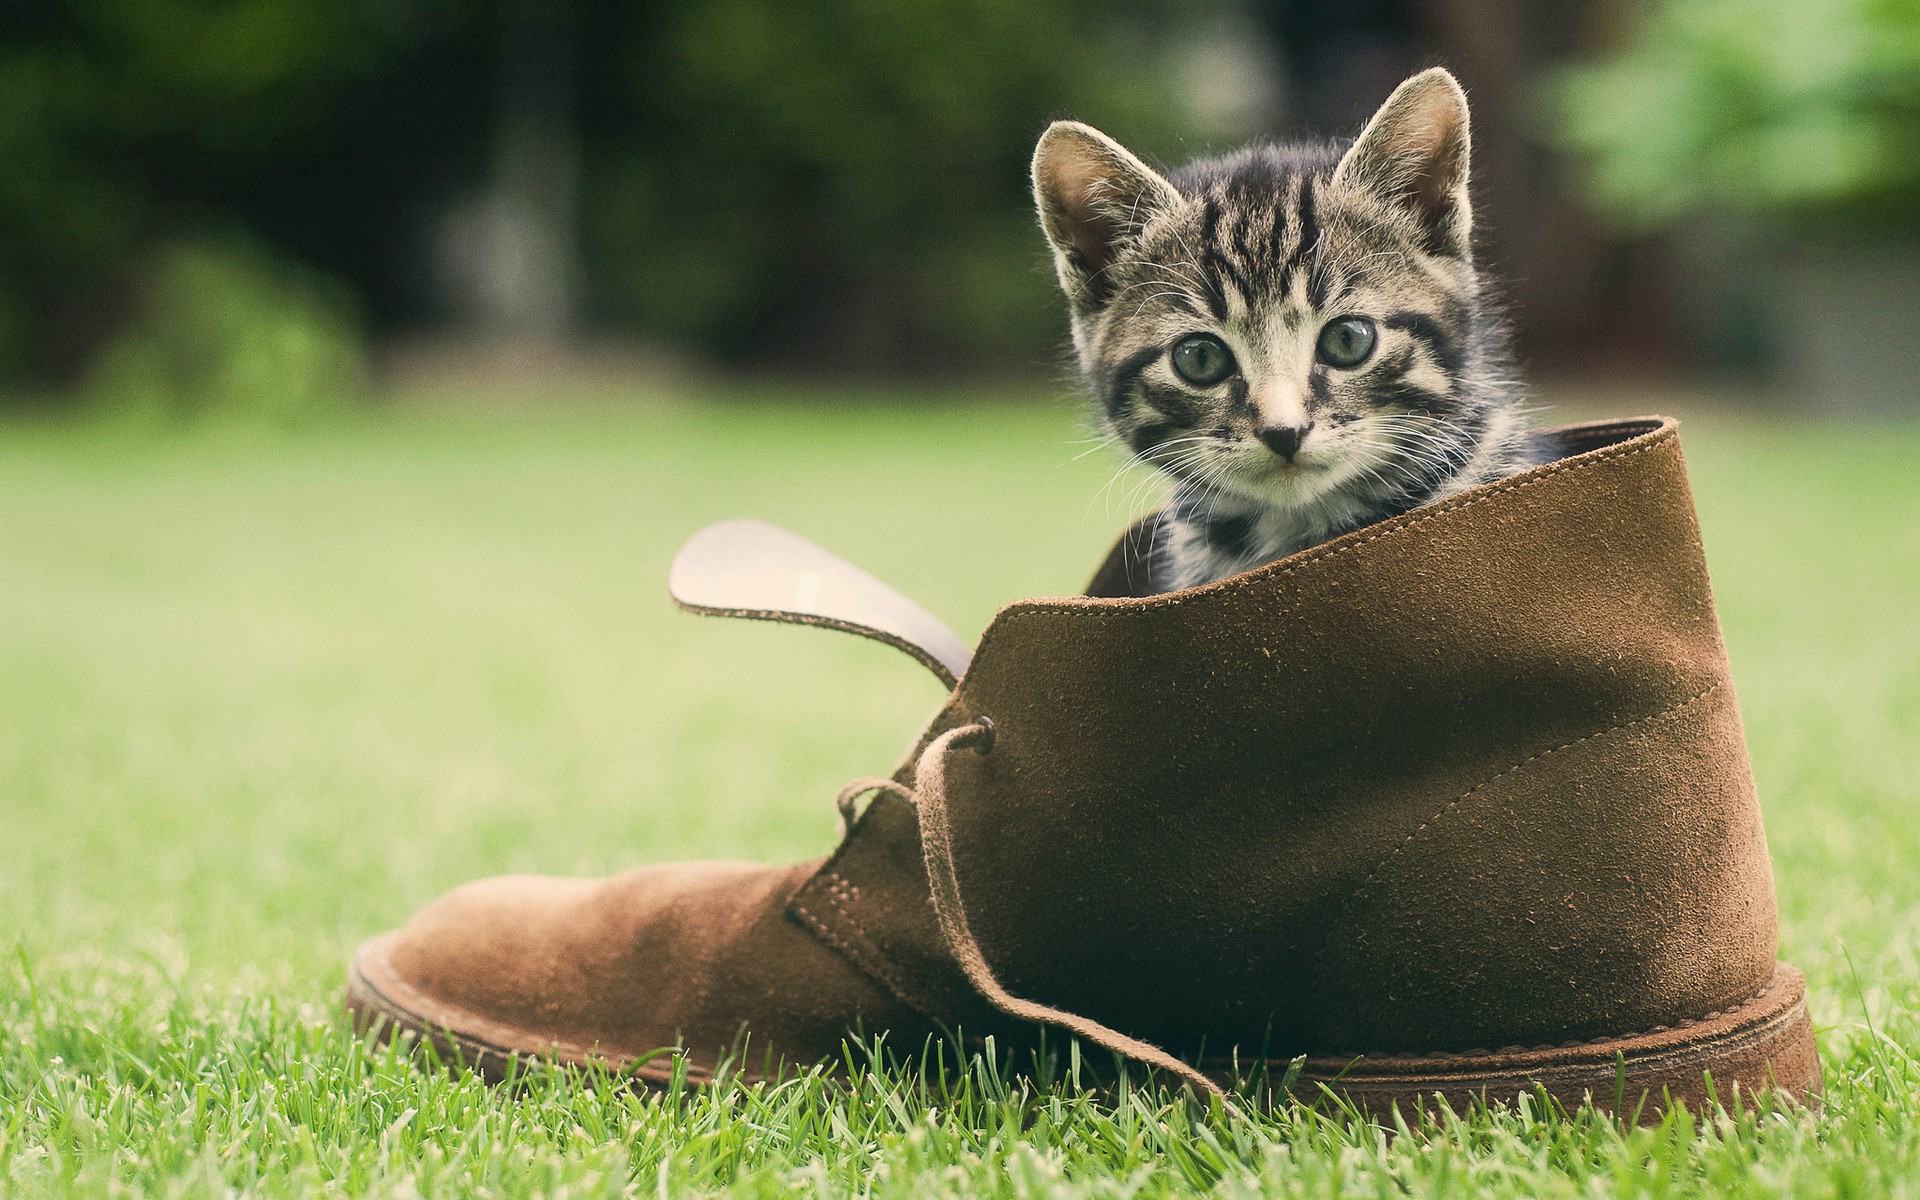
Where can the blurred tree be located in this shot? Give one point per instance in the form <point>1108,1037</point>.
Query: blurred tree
<point>1806,110</point>
<point>120,118</point>
<point>838,183</point>
<point>842,184</point>
<point>1783,136</point>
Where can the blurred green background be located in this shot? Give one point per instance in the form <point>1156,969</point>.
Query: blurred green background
<point>363,361</point>
<point>217,206</point>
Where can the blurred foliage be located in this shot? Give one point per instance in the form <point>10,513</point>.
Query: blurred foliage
<point>850,175</point>
<point>119,119</point>
<point>225,331</point>
<point>1793,109</point>
<point>840,182</point>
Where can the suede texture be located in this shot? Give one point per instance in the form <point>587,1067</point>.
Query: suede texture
<point>1470,778</point>
<point>697,955</point>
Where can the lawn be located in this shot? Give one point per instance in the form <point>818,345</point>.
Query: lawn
<point>264,694</point>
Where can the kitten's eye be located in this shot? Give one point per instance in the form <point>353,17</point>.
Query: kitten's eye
<point>1202,359</point>
<point>1346,342</point>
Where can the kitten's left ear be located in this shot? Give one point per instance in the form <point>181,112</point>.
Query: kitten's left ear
<point>1414,153</point>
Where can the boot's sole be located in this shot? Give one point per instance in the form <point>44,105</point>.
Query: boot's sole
<point>1763,1045</point>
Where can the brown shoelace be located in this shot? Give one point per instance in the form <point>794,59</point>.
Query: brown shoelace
<point>929,796</point>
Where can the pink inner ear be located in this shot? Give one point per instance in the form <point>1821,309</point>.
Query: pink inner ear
<point>1437,149</point>
<point>1419,152</point>
<point>1074,179</point>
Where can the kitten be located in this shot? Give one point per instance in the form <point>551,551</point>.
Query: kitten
<point>1295,334</point>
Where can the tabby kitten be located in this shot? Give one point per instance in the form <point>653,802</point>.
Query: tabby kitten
<point>1295,334</point>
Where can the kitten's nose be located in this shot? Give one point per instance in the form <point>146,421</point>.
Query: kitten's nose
<point>1284,440</point>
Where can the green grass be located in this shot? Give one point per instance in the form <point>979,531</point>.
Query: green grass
<point>261,696</point>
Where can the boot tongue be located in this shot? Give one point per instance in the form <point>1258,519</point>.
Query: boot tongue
<point>762,572</point>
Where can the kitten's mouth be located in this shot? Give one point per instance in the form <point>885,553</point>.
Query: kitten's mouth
<point>1259,476</point>
<point>1271,479</point>
<point>1294,470</point>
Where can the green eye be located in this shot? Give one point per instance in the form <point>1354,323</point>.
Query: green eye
<point>1346,342</point>
<point>1202,359</point>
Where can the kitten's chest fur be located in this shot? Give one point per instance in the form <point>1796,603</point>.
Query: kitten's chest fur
<point>1200,543</point>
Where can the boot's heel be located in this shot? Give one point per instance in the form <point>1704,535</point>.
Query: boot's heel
<point>1763,1044</point>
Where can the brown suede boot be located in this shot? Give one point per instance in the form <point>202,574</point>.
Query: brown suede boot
<point>1458,803</point>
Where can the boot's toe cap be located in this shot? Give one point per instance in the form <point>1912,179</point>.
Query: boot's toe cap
<point>693,955</point>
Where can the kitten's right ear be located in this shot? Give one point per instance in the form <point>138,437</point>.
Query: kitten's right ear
<point>1094,198</point>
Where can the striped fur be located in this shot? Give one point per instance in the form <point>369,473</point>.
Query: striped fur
<point>1262,250</point>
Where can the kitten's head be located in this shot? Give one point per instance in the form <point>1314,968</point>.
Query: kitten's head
<point>1288,325</point>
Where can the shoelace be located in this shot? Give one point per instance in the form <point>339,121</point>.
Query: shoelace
<point>929,796</point>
